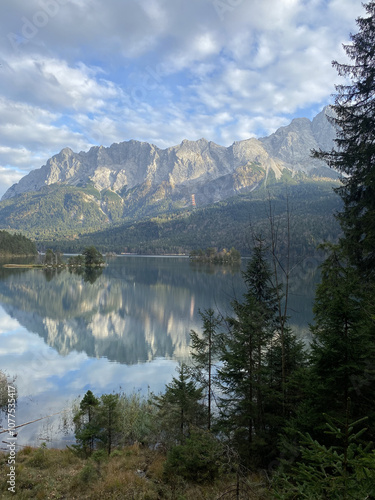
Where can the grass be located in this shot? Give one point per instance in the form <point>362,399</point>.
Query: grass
<point>134,472</point>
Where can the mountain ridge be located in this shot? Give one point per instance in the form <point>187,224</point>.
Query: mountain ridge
<point>133,180</point>
<point>132,163</point>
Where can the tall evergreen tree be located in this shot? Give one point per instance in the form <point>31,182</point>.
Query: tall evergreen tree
<point>86,427</point>
<point>343,361</point>
<point>244,375</point>
<point>180,408</point>
<point>204,348</point>
<point>343,349</point>
<point>108,417</point>
<point>354,154</point>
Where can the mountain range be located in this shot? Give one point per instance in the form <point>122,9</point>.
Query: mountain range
<point>77,193</point>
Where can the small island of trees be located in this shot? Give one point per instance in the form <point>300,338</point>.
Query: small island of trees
<point>216,257</point>
<point>90,257</point>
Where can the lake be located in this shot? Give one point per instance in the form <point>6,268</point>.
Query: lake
<point>125,328</point>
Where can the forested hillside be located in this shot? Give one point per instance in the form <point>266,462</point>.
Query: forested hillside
<point>223,225</point>
<point>16,244</point>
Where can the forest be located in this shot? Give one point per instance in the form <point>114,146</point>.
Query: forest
<point>222,225</point>
<point>16,245</point>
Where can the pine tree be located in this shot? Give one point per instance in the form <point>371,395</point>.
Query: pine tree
<point>108,418</point>
<point>49,259</point>
<point>244,375</point>
<point>343,349</point>
<point>345,470</point>
<point>354,154</point>
<point>180,408</point>
<point>203,351</point>
<point>86,425</point>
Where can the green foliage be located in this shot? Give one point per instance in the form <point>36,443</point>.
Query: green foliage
<point>55,209</point>
<point>97,422</point>
<point>86,425</point>
<point>343,350</point>
<point>108,417</point>
<point>345,470</point>
<point>16,244</point>
<point>92,257</point>
<point>88,474</point>
<point>204,350</point>
<point>53,259</point>
<point>353,156</point>
<point>76,261</point>
<point>222,225</point>
<point>212,255</point>
<point>39,458</point>
<point>198,459</point>
<point>180,408</point>
<point>138,419</point>
<point>113,420</point>
<point>254,394</point>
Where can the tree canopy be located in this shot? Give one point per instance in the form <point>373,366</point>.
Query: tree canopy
<point>354,151</point>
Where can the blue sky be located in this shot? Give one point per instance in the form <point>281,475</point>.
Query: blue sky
<point>79,73</point>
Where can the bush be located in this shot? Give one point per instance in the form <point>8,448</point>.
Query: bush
<point>88,474</point>
<point>198,459</point>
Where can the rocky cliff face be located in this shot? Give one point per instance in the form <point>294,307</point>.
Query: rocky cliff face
<point>138,170</point>
<point>293,144</point>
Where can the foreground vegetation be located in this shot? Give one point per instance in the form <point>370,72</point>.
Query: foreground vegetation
<point>133,472</point>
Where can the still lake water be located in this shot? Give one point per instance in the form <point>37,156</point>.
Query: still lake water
<point>125,329</point>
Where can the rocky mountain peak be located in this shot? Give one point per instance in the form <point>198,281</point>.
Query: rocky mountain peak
<point>189,167</point>
<point>293,144</point>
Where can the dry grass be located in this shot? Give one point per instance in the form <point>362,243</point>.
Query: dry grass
<point>131,473</point>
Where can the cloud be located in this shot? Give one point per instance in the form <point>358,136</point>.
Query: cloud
<point>77,73</point>
<point>7,324</point>
<point>55,85</point>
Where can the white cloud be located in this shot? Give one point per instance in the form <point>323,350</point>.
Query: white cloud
<point>7,324</point>
<point>161,70</point>
<point>55,85</point>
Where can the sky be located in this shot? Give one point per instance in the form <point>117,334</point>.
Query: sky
<point>80,73</point>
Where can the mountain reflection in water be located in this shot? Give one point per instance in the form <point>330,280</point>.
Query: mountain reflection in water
<point>62,333</point>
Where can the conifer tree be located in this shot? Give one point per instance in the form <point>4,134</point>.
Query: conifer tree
<point>109,420</point>
<point>86,426</point>
<point>204,348</point>
<point>345,470</point>
<point>354,154</point>
<point>92,257</point>
<point>244,375</point>
<point>343,361</point>
<point>180,407</point>
<point>343,348</point>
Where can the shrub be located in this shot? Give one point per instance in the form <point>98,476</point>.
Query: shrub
<point>198,459</point>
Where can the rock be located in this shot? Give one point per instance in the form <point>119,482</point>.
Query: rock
<point>205,169</point>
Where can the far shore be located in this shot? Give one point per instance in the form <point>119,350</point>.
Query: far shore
<point>23,265</point>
